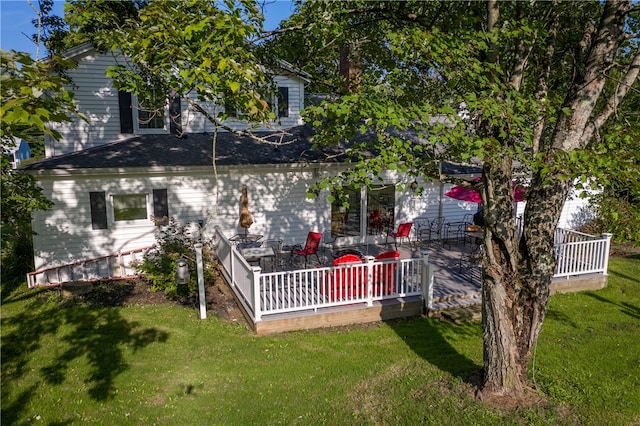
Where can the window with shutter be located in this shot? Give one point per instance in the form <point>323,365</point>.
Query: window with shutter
<point>160,205</point>
<point>129,207</point>
<point>126,112</point>
<point>283,101</point>
<point>98,202</point>
<point>150,115</point>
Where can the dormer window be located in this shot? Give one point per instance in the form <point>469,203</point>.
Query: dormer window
<point>148,113</point>
<point>283,101</point>
<point>150,110</point>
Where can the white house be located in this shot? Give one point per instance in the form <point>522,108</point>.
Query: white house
<point>108,176</point>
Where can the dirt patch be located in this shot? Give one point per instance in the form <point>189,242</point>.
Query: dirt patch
<point>219,297</point>
<point>529,399</point>
<point>624,250</point>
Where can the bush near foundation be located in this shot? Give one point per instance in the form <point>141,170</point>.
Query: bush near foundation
<point>174,241</point>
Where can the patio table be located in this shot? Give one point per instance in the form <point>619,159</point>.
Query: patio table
<point>253,254</point>
<point>245,238</point>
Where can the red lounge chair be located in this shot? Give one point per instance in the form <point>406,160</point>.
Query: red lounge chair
<point>383,275</point>
<point>310,247</point>
<point>344,282</point>
<point>403,232</point>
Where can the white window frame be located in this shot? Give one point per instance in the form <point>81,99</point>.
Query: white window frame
<point>145,130</point>
<point>111,219</point>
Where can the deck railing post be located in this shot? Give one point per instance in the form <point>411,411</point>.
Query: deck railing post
<point>607,247</point>
<point>427,280</point>
<point>370,260</point>
<point>232,262</point>
<point>255,292</point>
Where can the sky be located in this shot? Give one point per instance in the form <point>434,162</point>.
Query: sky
<point>16,16</point>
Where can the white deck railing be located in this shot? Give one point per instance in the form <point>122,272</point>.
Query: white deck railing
<point>119,265</point>
<point>578,253</point>
<point>322,287</point>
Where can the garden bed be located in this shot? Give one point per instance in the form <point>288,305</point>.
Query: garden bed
<point>218,295</point>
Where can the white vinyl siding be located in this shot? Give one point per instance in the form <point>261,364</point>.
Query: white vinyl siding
<point>97,98</point>
<point>65,233</point>
<point>277,202</point>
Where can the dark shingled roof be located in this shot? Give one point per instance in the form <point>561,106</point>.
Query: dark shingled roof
<point>167,150</point>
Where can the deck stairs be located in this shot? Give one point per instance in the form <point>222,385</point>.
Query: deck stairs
<point>120,265</point>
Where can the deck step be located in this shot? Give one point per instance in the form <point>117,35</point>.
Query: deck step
<point>458,308</point>
<point>463,314</point>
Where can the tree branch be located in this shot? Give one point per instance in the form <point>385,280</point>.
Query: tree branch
<point>278,31</point>
<point>633,9</point>
<point>542,88</point>
<point>243,133</point>
<point>38,28</point>
<point>623,87</point>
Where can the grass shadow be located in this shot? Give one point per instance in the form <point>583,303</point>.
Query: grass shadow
<point>621,275</point>
<point>98,335</point>
<point>626,308</point>
<point>431,340</point>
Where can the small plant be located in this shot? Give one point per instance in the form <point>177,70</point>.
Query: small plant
<point>174,241</point>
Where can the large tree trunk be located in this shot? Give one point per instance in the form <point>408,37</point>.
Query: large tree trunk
<point>517,270</point>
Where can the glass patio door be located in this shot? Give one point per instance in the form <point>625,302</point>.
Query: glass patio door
<point>381,201</point>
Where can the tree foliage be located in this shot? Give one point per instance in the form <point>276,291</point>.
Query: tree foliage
<point>199,50</point>
<point>32,98</point>
<point>526,90</point>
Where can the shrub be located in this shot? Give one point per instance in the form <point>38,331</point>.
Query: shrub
<point>174,241</point>
<point>618,215</point>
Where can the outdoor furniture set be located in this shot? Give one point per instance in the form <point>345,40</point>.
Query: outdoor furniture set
<point>277,255</point>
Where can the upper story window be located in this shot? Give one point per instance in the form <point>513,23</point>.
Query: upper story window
<point>280,105</point>
<point>283,101</point>
<point>148,114</point>
<point>151,111</point>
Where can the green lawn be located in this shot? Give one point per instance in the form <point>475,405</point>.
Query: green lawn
<point>163,365</point>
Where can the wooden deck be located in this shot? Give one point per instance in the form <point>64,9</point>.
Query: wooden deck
<point>456,284</point>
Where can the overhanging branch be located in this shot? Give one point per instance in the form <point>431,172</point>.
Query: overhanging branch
<point>243,133</point>
<point>623,87</point>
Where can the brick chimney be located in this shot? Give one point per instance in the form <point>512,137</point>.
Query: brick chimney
<point>350,67</point>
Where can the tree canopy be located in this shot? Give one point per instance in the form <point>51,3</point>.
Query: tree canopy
<point>33,97</point>
<point>527,90</point>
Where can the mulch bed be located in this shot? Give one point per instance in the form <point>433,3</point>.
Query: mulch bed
<point>218,295</point>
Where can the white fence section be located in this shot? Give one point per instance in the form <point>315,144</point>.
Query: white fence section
<point>116,265</point>
<point>322,287</point>
<point>578,253</point>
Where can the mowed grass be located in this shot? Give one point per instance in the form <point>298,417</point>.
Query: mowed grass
<point>71,364</point>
